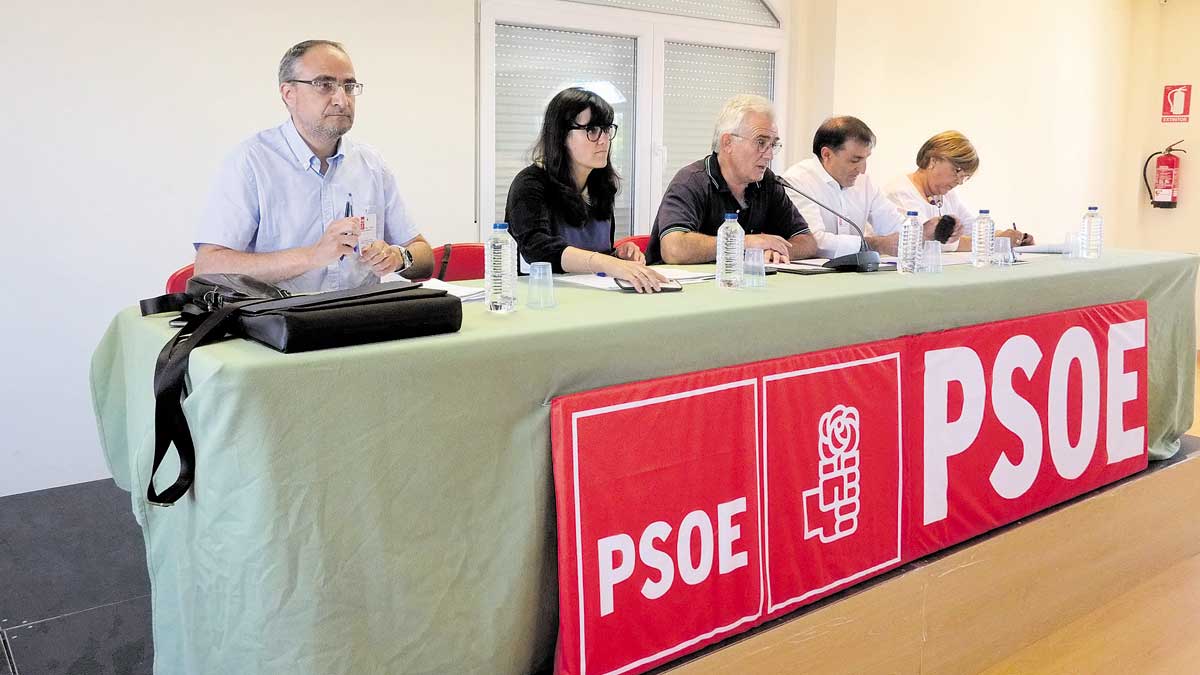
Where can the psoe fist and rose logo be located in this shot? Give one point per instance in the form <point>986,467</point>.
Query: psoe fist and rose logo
<point>832,475</point>
<point>831,509</point>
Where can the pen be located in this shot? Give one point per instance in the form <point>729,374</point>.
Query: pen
<point>1024,236</point>
<point>349,212</point>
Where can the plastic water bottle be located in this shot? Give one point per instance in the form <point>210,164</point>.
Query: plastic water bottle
<point>983,239</point>
<point>908,249</point>
<point>731,250</point>
<point>1091,233</point>
<point>500,270</point>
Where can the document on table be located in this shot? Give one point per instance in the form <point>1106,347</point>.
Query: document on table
<point>608,284</point>
<point>949,259</point>
<point>464,293</point>
<point>809,266</point>
<point>1042,248</point>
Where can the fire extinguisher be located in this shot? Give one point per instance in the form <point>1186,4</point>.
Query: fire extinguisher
<point>1165,194</point>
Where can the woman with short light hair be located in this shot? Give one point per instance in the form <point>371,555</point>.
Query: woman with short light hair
<point>944,162</point>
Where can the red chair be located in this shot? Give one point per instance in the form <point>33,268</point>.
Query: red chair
<point>456,262</point>
<point>177,282</point>
<point>642,241</point>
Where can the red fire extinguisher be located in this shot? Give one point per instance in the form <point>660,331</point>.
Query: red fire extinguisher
<point>1165,194</point>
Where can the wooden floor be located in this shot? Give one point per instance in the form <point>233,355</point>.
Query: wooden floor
<point>1151,628</point>
<point>1107,620</point>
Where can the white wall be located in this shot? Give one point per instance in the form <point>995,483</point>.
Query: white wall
<point>814,40</point>
<point>119,112</point>
<point>1038,87</point>
<point>1164,52</point>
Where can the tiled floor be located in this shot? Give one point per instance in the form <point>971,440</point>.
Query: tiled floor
<point>74,595</point>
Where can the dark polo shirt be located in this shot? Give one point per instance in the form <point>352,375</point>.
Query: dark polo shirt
<point>698,199</point>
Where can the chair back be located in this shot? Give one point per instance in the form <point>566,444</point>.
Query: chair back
<point>642,241</point>
<point>177,282</point>
<point>456,262</point>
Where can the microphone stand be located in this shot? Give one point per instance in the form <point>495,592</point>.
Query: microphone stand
<point>865,260</point>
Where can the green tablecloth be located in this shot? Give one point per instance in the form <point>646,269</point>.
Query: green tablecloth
<point>388,508</point>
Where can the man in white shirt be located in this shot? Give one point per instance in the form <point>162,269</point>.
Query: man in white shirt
<point>836,176</point>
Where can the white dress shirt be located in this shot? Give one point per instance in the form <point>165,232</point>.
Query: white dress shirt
<point>863,203</point>
<point>906,197</point>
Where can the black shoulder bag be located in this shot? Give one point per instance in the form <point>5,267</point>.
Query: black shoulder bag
<point>218,305</point>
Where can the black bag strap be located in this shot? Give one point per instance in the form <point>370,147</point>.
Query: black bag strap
<point>170,425</point>
<point>171,302</point>
<point>441,275</point>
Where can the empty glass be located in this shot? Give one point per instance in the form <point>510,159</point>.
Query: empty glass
<point>754,273</point>
<point>931,258</point>
<point>541,286</point>
<point>1003,256</point>
<point>1071,245</point>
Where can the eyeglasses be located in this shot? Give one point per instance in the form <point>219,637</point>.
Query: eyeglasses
<point>762,144</point>
<point>593,132</point>
<point>960,174</point>
<point>326,86</point>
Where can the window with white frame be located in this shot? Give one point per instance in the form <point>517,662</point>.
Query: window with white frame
<point>534,64</point>
<point>751,12</point>
<point>697,80</point>
<point>666,67</point>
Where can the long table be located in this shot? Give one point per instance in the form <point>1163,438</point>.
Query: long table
<point>389,507</point>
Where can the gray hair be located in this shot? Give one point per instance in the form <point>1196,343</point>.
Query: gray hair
<point>287,65</point>
<point>735,111</point>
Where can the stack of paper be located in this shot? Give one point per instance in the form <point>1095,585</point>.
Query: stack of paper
<point>608,284</point>
<point>464,293</point>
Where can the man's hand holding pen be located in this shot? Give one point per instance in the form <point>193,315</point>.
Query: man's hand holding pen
<point>339,239</point>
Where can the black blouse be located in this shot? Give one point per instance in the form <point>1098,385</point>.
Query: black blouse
<point>539,222</point>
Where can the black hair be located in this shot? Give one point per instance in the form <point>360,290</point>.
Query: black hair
<point>551,152</point>
<point>287,65</point>
<point>834,131</point>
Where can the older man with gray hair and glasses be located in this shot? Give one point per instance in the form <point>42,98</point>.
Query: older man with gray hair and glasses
<point>301,205</point>
<point>735,178</point>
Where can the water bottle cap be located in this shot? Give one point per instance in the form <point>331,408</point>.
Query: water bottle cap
<point>1093,208</point>
<point>500,226</point>
<point>984,212</point>
<point>731,216</point>
<point>912,213</point>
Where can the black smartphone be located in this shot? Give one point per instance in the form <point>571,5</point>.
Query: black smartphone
<point>668,286</point>
<point>945,228</point>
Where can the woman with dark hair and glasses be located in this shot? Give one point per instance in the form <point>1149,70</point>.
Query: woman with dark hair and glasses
<point>560,208</point>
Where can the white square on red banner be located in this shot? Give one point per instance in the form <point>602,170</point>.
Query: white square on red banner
<point>681,539</point>
<point>832,454</point>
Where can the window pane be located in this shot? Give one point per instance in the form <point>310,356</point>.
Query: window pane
<point>534,64</point>
<point>697,81</point>
<point>753,12</point>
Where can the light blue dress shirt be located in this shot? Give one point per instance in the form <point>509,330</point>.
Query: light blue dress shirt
<point>270,195</point>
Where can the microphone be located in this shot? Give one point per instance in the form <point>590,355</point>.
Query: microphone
<point>865,260</point>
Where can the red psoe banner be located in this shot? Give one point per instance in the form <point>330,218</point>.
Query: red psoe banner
<point>1021,415</point>
<point>833,471</point>
<point>692,508</point>
<point>666,526</point>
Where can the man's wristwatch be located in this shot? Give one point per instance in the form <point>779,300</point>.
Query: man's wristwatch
<point>405,257</point>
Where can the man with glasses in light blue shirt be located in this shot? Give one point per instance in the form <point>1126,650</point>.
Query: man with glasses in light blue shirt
<point>290,204</point>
